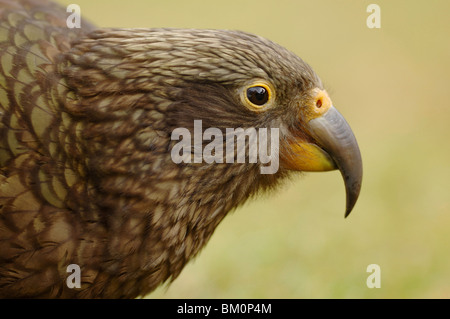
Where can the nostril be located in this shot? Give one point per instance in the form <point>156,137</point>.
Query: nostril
<point>319,103</point>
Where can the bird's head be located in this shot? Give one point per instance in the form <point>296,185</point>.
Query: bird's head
<point>226,79</point>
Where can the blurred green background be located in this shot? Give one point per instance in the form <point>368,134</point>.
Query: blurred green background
<point>393,86</point>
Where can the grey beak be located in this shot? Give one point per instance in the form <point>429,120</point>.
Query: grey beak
<point>335,136</point>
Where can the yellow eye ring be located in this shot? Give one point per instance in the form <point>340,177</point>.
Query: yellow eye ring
<point>257,96</point>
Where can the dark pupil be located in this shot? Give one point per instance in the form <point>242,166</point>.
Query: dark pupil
<point>257,95</point>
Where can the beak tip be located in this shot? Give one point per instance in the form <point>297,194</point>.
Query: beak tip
<point>348,211</point>
<point>352,195</point>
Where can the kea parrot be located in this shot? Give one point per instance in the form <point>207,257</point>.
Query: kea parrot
<point>87,173</point>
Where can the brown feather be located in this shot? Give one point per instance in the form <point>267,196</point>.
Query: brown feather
<point>86,119</point>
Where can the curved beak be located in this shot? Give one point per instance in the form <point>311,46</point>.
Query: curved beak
<point>335,137</point>
<point>333,145</point>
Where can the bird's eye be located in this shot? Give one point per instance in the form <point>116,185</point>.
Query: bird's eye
<point>258,95</point>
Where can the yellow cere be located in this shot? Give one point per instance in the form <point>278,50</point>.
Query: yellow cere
<point>318,106</point>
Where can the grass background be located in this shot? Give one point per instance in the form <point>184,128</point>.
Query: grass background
<point>392,85</point>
